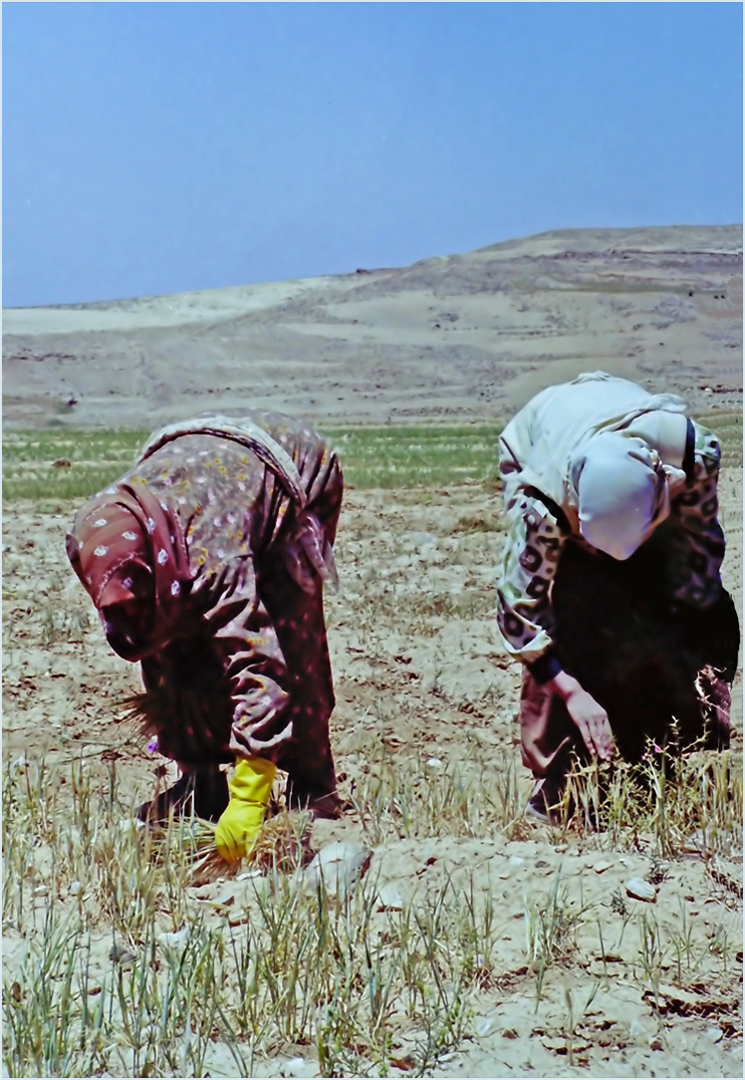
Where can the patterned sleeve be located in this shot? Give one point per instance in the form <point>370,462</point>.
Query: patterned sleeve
<point>253,662</point>
<point>696,548</point>
<point>524,616</point>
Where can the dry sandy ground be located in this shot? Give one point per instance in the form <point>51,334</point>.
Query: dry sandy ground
<point>460,337</point>
<point>420,676</point>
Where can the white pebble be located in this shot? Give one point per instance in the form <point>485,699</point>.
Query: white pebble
<point>434,763</point>
<point>299,1067</point>
<point>339,866</point>
<point>175,940</point>
<point>389,898</point>
<point>641,890</point>
<point>131,825</point>
<point>75,888</point>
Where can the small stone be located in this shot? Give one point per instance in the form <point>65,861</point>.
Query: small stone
<point>40,890</point>
<point>602,866</point>
<point>509,1033</point>
<point>120,954</point>
<point>175,940</point>
<point>390,899</point>
<point>641,890</point>
<point>75,888</point>
<point>131,826</point>
<point>656,1043</point>
<point>695,844</point>
<point>338,867</point>
<point>434,763</point>
<point>299,1067</point>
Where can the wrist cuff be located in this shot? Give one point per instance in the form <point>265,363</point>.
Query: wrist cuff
<point>545,667</point>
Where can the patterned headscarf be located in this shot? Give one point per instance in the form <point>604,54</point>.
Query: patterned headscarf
<point>129,552</point>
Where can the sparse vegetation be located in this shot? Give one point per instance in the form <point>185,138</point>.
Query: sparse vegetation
<point>126,954</point>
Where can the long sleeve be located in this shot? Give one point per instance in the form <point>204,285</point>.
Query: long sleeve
<point>696,546</point>
<point>254,665</point>
<point>524,615</point>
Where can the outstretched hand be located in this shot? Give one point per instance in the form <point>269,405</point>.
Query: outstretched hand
<point>590,717</point>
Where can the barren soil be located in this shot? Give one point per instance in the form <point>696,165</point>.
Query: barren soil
<point>421,682</point>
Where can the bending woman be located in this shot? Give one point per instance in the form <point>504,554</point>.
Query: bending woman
<point>207,562</point>
<point>610,590</point>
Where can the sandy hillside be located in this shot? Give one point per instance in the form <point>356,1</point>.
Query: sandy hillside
<point>457,337</point>
<point>423,687</point>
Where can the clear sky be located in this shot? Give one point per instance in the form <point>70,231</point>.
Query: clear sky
<point>152,148</point>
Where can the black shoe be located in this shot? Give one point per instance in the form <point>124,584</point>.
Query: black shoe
<point>321,805</point>
<point>205,791</point>
<point>547,801</point>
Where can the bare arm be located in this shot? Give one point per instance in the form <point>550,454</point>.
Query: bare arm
<point>590,717</point>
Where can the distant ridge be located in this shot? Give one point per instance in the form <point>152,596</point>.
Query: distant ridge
<point>459,337</point>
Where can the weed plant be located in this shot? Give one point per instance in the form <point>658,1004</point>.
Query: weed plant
<point>132,977</point>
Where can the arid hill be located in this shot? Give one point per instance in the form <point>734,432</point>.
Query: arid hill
<point>450,338</point>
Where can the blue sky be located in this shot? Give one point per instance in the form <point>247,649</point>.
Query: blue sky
<point>152,148</point>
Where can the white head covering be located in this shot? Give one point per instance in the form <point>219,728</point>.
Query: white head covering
<point>623,493</point>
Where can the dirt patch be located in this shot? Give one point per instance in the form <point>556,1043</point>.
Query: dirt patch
<point>568,975</point>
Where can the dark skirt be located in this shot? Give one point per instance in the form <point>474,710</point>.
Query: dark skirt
<point>187,702</point>
<point>651,667</point>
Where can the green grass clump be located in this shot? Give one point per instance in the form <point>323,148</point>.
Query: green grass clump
<point>65,464</point>
<point>410,457</point>
<point>372,457</point>
<point>390,457</point>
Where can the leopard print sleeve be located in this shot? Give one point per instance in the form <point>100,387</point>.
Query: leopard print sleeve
<point>696,547</point>
<point>531,556</point>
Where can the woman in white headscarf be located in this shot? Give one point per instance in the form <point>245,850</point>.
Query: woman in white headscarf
<point>610,590</point>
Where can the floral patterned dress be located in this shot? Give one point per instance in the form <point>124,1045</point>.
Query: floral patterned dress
<point>244,669</point>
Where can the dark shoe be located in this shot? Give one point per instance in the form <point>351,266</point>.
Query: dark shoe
<point>301,797</point>
<point>546,804</point>
<point>205,791</point>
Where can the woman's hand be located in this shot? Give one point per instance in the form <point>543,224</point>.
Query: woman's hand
<point>590,718</point>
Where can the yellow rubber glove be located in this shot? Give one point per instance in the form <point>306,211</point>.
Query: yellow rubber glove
<point>240,825</point>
